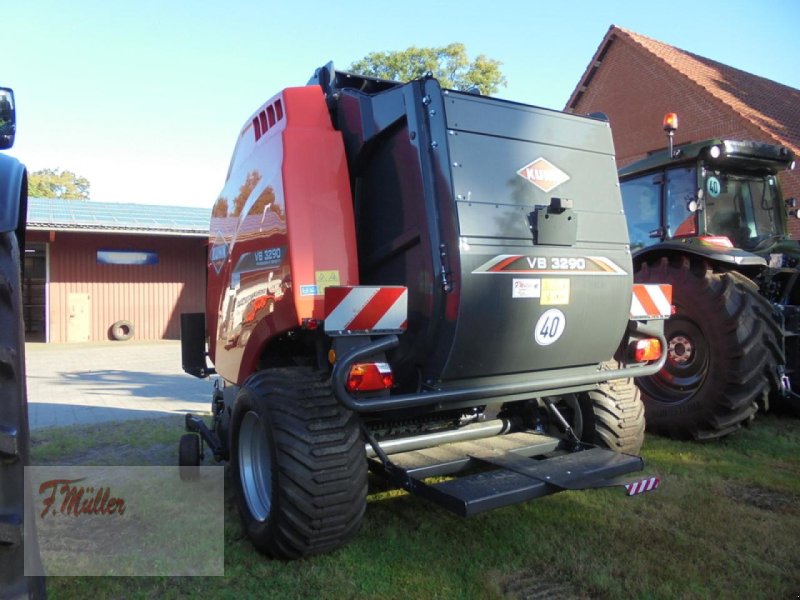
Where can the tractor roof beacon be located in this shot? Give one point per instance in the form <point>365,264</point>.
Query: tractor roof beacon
<point>18,542</point>
<point>709,218</point>
<point>419,282</point>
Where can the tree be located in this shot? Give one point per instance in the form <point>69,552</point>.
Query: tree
<point>220,207</point>
<point>245,191</point>
<point>449,64</point>
<point>55,183</point>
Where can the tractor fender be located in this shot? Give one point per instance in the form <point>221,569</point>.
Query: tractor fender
<point>13,193</point>
<point>735,258</point>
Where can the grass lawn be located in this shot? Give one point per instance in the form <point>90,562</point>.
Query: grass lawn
<point>724,524</point>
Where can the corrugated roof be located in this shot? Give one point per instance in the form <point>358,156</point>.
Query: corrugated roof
<point>772,107</point>
<point>80,215</point>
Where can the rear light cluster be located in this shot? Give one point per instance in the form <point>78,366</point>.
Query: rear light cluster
<point>370,377</point>
<point>646,350</point>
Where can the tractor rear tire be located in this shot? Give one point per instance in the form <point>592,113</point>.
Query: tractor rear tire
<point>721,351</point>
<point>18,543</point>
<point>298,464</point>
<point>613,415</point>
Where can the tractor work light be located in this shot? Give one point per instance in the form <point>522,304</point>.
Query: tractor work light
<point>370,377</point>
<point>716,240</point>
<point>715,152</point>
<point>646,350</point>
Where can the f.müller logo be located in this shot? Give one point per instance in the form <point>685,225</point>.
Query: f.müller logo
<point>77,500</point>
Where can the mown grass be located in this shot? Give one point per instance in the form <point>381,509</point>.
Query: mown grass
<point>724,524</point>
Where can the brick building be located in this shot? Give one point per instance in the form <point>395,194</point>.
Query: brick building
<point>89,265</point>
<point>635,80</point>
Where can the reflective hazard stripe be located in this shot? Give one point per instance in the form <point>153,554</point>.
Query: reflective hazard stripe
<point>365,309</point>
<point>651,301</point>
<point>639,487</point>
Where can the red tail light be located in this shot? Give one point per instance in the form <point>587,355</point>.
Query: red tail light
<point>646,350</point>
<point>370,377</point>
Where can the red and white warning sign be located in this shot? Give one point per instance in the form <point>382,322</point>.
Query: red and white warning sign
<point>365,309</point>
<point>644,485</point>
<point>651,301</point>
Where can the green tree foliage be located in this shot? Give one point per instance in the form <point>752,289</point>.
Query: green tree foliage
<point>449,64</point>
<point>55,183</point>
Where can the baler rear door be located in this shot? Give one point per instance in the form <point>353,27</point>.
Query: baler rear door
<point>545,270</point>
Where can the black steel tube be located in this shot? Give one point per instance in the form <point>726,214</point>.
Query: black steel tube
<point>342,368</point>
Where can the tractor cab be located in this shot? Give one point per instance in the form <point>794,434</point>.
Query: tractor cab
<point>717,192</point>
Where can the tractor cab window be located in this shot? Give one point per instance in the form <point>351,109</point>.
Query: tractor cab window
<point>681,202</point>
<point>640,198</point>
<point>745,209</point>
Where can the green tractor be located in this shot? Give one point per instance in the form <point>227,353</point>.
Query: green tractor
<point>18,545</point>
<point>709,218</point>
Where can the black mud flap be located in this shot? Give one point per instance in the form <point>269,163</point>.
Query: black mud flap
<point>193,345</point>
<point>512,478</point>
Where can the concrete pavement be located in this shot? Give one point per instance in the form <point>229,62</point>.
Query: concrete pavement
<point>71,384</point>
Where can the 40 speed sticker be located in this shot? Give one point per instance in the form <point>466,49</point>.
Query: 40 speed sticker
<point>549,327</point>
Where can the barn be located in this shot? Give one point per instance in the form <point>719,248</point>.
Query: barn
<point>91,266</point>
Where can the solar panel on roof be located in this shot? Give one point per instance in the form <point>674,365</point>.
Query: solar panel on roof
<point>55,213</point>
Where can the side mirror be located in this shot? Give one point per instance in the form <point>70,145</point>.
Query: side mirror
<point>8,118</point>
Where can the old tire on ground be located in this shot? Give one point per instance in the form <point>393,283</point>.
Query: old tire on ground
<point>721,351</point>
<point>122,331</point>
<point>613,415</point>
<point>298,464</point>
<point>17,537</point>
<point>189,456</point>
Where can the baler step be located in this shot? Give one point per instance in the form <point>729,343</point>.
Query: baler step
<point>520,479</point>
<point>574,471</point>
<point>457,456</point>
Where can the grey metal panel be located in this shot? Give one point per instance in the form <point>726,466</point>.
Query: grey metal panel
<point>494,117</point>
<point>485,174</point>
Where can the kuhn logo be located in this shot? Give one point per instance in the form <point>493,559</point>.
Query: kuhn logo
<point>543,174</point>
<point>219,252</point>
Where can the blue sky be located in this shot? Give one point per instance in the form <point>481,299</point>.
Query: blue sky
<point>146,98</point>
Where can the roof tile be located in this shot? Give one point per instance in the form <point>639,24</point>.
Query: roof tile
<point>771,106</point>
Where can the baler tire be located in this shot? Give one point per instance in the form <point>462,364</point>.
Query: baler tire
<point>18,542</point>
<point>613,414</point>
<point>189,456</point>
<point>722,351</point>
<point>122,331</point>
<point>298,464</point>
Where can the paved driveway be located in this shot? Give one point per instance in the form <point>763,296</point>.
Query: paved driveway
<point>72,384</point>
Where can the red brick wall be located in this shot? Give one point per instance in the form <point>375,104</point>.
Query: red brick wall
<point>635,89</point>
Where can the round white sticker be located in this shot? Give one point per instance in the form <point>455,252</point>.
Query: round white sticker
<point>713,186</point>
<point>549,327</point>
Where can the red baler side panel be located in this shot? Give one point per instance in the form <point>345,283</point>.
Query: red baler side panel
<point>281,230</point>
<point>319,205</point>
